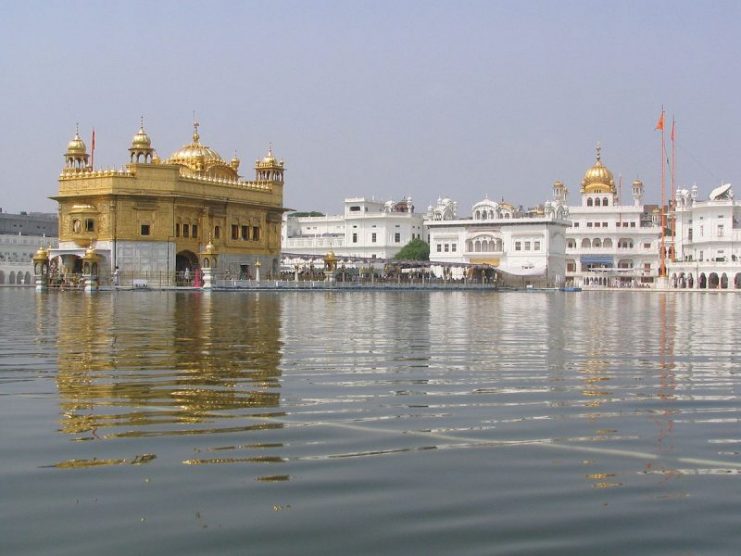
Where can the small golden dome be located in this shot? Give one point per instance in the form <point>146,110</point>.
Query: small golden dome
<point>637,183</point>
<point>141,140</point>
<point>235,161</point>
<point>41,254</point>
<point>269,158</point>
<point>210,249</point>
<point>76,146</point>
<point>598,178</point>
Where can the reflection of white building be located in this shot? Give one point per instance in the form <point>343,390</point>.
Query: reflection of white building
<point>498,235</point>
<point>367,229</point>
<point>20,236</point>
<point>609,243</point>
<point>707,240</point>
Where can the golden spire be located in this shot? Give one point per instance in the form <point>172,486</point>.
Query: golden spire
<point>599,152</point>
<point>235,161</point>
<point>196,137</point>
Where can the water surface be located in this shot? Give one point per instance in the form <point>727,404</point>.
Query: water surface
<point>369,422</point>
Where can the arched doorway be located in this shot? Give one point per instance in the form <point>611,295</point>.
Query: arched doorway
<point>2,277</point>
<point>703,282</point>
<point>186,264</point>
<point>713,281</point>
<point>737,281</point>
<point>724,281</point>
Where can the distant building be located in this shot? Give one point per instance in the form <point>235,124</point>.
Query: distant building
<point>20,236</point>
<point>529,245</point>
<point>707,240</point>
<point>151,218</point>
<point>367,229</point>
<point>608,243</point>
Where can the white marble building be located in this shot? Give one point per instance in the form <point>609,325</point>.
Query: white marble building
<point>367,229</point>
<point>527,244</point>
<point>609,243</point>
<point>707,240</point>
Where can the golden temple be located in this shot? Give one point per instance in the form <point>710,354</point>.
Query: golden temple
<point>153,217</point>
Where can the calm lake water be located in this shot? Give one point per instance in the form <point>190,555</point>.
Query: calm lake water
<point>369,423</point>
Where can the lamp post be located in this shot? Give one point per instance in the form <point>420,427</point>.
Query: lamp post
<point>209,258</point>
<point>90,269</point>
<point>41,269</point>
<point>330,265</point>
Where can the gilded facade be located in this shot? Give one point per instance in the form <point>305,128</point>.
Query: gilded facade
<point>152,217</point>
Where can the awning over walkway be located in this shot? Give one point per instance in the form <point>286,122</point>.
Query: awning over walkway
<point>597,259</point>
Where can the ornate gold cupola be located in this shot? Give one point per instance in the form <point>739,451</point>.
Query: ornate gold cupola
<point>235,162</point>
<point>269,169</point>
<point>598,178</point>
<point>141,150</point>
<point>76,157</point>
<point>201,160</point>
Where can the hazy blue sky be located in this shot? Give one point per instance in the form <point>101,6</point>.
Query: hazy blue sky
<point>463,99</point>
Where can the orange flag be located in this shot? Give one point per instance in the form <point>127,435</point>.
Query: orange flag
<point>660,123</point>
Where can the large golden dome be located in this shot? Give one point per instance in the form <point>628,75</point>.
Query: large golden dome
<point>598,178</point>
<point>202,159</point>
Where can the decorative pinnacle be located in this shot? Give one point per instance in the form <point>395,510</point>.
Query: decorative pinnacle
<point>599,152</point>
<point>141,121</point>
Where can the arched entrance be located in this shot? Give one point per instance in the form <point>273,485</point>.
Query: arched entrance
<point>724,281</point>
<point>703,282</point>
<point>713,281</point>
<point>186,264</point>
<point>2,277</point>
<point>737,281</point>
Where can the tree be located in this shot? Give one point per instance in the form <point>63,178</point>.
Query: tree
<point>415,250</point>
<point>304,214</point>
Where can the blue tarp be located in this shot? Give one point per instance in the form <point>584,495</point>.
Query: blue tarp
<point>597,259</point>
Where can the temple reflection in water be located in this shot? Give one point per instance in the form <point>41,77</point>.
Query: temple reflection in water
<point>215,360</point>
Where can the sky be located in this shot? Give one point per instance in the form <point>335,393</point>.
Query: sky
<point>385,99</point>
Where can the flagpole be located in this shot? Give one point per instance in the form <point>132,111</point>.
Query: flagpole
<point>662,248</point>
<point>92,150</point>
<point>674,191</point>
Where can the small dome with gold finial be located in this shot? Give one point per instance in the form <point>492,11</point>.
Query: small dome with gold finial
<point>598,178</point>
<point>77,145</point>
<point>235,161</point>
<point>141,140</point>
<point>141,146</point>
<point>269,158</point>
<point>76,157</point>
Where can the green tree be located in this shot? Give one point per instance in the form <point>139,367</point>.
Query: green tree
<point>415,250</point>
<point>303,214</point>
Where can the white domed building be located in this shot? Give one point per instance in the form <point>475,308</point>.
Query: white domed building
<point>609,243</point>
<point>524,247</point>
